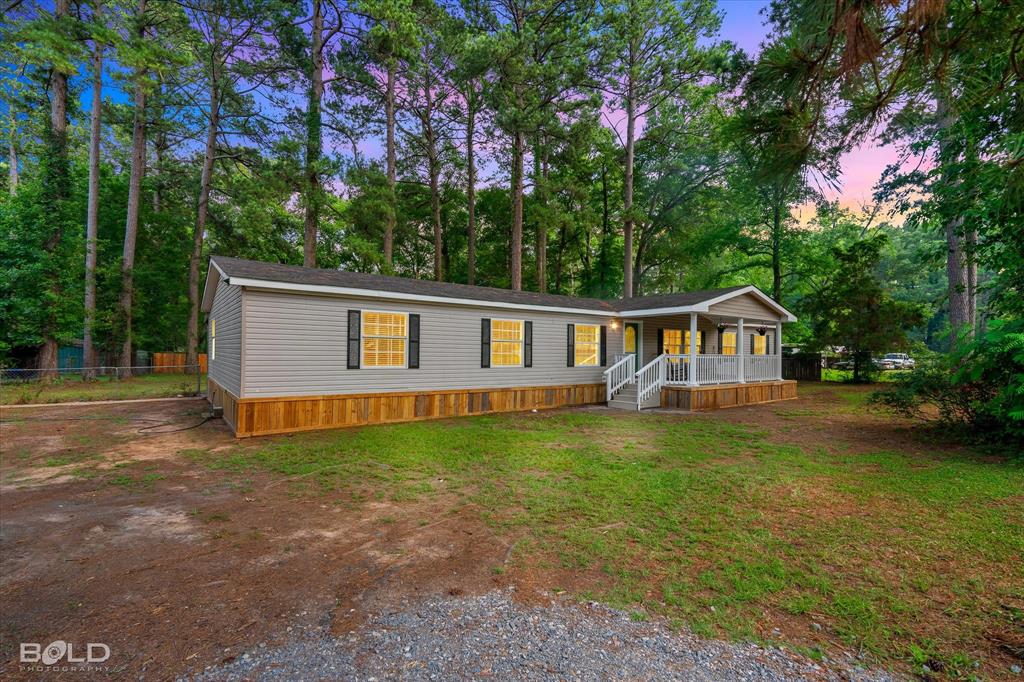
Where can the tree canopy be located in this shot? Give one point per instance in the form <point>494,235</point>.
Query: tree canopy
<point>598,149</point>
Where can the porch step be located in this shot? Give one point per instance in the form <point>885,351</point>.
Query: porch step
<point>623,404</point>
<point>626,393</point>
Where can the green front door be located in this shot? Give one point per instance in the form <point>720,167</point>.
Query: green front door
<point>631,341</point>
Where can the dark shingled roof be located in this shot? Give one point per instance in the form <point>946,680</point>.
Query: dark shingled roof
<point>297,274</point>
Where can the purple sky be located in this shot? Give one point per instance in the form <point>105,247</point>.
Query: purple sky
<point>743,24</point>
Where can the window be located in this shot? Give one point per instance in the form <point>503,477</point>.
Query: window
<point>760,345</point>
<point>588,345</point>
<point>672,341</point>
<point>728,343</point>
<point>677,342</point>
<point>213,339</point>
<point>686,342</point>
<point>384,339</point>
<point>506,343</point>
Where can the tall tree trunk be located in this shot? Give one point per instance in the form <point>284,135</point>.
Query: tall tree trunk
<point>958,265</point>
<point>131,225</point>
<point>314,140</point>
<point>199,232</point>
<point>627,194</point>
<point>542,232</point>
<point>160,147</point>
<point>516,255</point>
<point>605,231</point>
<point>434,171</point>
<point>93,208</point>
<point>471,185</point>
<point>12,154</point>
<point>56,187</point>
<point>389,116</point>
<point>777,250</point>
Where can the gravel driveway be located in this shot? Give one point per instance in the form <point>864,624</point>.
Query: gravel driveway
<point>492,636</point>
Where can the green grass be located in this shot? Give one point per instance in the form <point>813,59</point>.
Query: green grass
<point>845,375</point>
<point>898,555</point>
<point>73,389</point>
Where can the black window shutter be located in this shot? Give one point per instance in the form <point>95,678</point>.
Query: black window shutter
<point>570,349</point>
<point>751,344</point>
<point>485,342</point>
<point>354,330</point>
<point>414,341</point>
<point>527,344</point>
<point>604,344</point>
<point>702,349</point>
<point>661,341</point>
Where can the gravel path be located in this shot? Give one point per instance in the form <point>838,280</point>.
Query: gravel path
<point>492,636</point>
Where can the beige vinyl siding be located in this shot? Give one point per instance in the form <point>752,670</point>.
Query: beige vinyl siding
<point>295,344</point>
<point>746,306</point>
<point>226,367</point>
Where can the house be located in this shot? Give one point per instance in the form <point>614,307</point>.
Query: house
<point>294,348</point>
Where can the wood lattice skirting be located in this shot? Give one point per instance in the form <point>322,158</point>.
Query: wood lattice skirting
<point>700,398</point>
<point>266,416</point>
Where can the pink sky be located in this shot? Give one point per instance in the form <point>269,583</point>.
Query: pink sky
<point>743,24</point>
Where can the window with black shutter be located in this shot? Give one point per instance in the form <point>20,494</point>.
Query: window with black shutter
<point>485,342</point>
<point>604,345</point>
<point>414,341</point>
<point>527,344</point>
<point>354,328</point>
<point>570,350</point>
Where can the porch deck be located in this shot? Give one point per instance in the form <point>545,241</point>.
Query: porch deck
<point>721,396</point>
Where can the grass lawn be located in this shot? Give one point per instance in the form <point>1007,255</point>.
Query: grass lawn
<point>73,389</point>
<point>847,375</point>
<point>736,527</point>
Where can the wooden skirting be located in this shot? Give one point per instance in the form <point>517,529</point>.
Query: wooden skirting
<point>220,397</point>
<point>699,398</point>
<point>266,416</point>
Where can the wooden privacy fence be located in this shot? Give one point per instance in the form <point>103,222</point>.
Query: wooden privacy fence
<point>802,367</point>
<point>174,363</point>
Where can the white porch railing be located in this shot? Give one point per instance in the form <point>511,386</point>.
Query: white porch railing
<point>762,367</point>
<point>650,379</point>
<point>619,374</point>
<point>710,369</point>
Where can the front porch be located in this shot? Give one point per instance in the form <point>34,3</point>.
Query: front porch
<point>698,361</point>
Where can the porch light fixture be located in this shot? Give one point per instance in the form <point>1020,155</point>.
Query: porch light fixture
<point>762,330</point>
<point>615,324</point>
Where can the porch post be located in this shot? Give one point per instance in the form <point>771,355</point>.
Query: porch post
<point>778,349</point>
<point>741,347</point>
<point>693,350</point>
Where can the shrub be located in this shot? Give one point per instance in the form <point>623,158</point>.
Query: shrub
<point>980,386</point>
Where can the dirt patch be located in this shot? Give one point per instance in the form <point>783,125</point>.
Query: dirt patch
<point>176,567</point>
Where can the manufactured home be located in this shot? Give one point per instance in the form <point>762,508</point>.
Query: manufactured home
<point>294,349</point>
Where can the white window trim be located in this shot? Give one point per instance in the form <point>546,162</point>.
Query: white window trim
<point>213,338</point>
<point>362,340</point>
<point>576,344</point>
<point>522,342</point>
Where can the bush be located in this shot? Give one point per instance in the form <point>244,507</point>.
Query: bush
<point>980,386</point>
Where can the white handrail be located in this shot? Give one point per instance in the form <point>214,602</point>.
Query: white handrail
<point>760,368</point>
<point>650,379</point>
<point>619,374</point>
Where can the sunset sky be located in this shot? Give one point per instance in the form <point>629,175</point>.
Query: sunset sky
<point>743,24</point>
